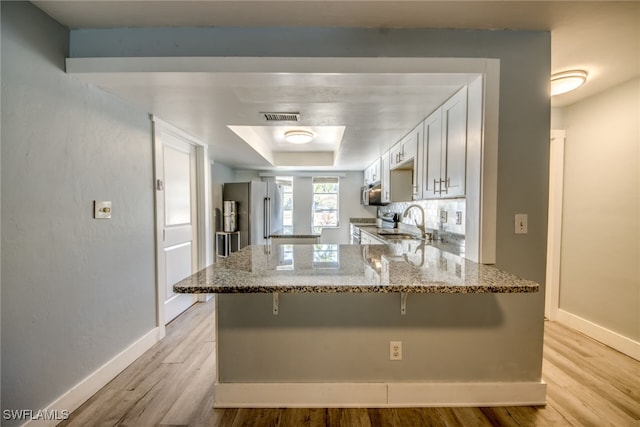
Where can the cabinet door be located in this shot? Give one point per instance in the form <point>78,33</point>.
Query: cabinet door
<point>413,148</point>
<point>385,173</point>
<point>410,144</point>
<point>376,171</point>
<point>396,154</point>
<point>432,155</point>
<point>372,173</point>
<point>454,115</point>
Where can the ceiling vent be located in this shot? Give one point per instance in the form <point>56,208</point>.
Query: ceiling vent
<point>281,117</point>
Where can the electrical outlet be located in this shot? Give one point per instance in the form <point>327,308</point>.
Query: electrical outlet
<point>521,223</point>
<point>395,350</point>
<point>458,217</point>
<point>443,216</point>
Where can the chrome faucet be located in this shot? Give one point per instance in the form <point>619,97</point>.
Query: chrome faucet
<point>421,226</point>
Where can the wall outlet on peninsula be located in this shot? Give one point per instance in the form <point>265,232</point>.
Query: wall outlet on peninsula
<point>395,350</point>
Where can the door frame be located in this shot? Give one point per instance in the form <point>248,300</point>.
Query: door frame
<point>554,231</point>
<point>203,203</point>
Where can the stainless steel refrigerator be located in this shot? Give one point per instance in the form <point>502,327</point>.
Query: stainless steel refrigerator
<point>259,208</point>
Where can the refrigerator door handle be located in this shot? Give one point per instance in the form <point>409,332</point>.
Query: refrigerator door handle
<point>268,218</point>
<point>265,222</point>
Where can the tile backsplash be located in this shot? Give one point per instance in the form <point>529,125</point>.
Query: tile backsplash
<point>455,212</point>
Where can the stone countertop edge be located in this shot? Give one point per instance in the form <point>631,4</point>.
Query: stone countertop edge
<point>251,271</point>
<point>382,289</point>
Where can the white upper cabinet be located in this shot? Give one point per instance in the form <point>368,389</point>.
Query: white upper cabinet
<point>445,145</point>
<point>385,172</point>
<point>454,122</point>
<point>372,173</point>
<point>406,149</point>
<point>432,155</point>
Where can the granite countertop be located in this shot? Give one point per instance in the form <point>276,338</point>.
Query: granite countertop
<point>350,268</point>
<point>296,233</point>
<point>362,221</point>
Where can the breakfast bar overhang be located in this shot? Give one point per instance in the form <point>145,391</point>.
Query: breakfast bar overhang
<point>312,326</point>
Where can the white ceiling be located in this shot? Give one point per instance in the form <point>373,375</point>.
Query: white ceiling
<point>600,37</point>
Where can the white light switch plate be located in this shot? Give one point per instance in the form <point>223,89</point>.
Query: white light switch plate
<point>521,223</point>
<point>101,209</point>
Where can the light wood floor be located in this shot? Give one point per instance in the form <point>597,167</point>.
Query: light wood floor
<point>589,384</point>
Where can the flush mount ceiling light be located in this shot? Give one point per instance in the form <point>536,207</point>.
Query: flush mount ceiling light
<point>567,81</point>
<point>298,136</point>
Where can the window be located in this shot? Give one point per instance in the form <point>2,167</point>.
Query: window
<point>325,202</point>
<point>286,185</point>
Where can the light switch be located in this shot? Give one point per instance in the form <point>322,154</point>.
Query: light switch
<point>521,223</point>
<point>101,209</point>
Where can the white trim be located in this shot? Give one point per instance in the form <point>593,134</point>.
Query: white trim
<point>489,167</point>
<point>554,231</point>
<point>303,174</point>
<point>204,239</point>
<point>377,395</point>
<point>606,336</point>
<point>81,392</point>
<point>359,65</point>
<point>177,131</point>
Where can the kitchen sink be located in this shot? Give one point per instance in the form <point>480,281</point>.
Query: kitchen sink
<point>398,236</point>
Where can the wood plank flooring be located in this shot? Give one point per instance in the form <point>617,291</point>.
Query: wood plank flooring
<point>589,384</point>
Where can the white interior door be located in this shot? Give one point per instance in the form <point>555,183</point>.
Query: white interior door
<point>177,215</point>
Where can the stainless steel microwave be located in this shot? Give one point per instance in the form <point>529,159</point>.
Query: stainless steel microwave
<point>372,195</point>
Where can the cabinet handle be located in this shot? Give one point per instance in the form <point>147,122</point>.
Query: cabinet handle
<point>434,186</point>
<point>446,185</point>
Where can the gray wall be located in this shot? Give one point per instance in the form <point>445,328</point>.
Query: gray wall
<point>345,338</point>
<point>75,291</point>
<point>600,278</point>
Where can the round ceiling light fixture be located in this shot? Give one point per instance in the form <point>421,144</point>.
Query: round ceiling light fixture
<point>298,136</point>
<point>567,81</point>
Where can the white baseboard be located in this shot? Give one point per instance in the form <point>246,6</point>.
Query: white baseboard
<point>377,395</point>
<point>205,297</point>
<point>81,392</point>
<point>606,336</point>
<point>467,394</point>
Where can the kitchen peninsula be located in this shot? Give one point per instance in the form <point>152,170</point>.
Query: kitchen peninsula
<point>316,325</point>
